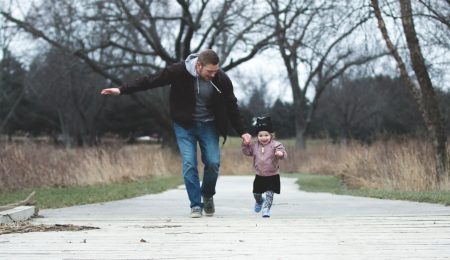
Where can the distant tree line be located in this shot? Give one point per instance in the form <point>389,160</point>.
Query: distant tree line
<point>363,108</point>
<point>58,97</point>
<point>87,45</point>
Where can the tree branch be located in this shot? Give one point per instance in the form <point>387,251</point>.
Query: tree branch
<point>27,201</point>
<point>39,34</point>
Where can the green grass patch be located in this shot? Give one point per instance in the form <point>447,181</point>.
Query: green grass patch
<point>333,184</point>
<point>68,196</point>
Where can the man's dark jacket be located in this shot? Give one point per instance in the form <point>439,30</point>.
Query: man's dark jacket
<point>182,96</point>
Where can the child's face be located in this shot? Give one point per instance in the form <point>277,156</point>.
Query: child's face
<point>264,137</point>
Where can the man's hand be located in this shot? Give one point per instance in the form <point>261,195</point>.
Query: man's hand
<point>246,138</point>
<point>110,91</point>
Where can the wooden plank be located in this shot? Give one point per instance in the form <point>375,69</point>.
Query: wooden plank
<point>17,214</point>
<point>303,226</point>
<point>329,238</point>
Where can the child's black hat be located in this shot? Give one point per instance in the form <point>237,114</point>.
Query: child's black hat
<point>262,124</point>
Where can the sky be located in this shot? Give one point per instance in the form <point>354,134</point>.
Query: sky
<point>268,65</point>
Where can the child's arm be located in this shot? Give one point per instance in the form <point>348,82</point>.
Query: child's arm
<point>247,149</point>
<point>280,151</point>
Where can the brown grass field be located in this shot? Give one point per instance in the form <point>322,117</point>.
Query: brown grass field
<point>392,165</point>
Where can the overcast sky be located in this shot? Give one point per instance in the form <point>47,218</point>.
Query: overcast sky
<point>269,65</point>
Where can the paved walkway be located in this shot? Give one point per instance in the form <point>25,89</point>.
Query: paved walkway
<point>303,226</point>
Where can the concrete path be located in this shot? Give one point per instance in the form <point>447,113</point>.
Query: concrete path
<point>303,226</point>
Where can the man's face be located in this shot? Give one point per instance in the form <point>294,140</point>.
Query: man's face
<point>207,72</point>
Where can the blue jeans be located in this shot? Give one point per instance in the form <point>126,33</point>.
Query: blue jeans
<point>206,135</point>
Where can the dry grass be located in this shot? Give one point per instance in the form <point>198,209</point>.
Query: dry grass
<point>323,159</point>
<point>406,166</point>
<point>37,165</point>
<point>233,162</point>
<point>390,165</point>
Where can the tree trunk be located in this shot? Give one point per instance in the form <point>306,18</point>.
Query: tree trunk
<point>299,105</point>
<point>434,121</point>
<point>300,128</point>
<point>424,94</point>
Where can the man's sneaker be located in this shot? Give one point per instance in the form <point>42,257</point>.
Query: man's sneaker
<point>266,213</point>
<point>258,206</point>
<point>196,212</point>
<point>208,206</point>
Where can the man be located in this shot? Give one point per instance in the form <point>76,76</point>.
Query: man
<point>202,103</point>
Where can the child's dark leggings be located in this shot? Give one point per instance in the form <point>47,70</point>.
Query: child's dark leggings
<point>267,202</point>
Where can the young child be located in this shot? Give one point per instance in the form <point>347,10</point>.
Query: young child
<point>266,154</point>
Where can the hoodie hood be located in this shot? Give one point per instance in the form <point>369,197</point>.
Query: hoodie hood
<point>190,62</point>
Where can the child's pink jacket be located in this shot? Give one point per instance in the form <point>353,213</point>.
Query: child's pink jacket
<point>264,160</point>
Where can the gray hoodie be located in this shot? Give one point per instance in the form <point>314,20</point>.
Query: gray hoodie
<point>203,92</point>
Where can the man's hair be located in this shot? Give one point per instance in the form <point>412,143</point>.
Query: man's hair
<point>208,56</point>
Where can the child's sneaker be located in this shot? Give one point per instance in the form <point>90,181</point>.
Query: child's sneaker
<point>266,213</point>
<point>258,206</point>
<point>196,212</point>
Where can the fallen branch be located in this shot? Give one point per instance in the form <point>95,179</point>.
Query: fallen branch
<point>26,226</point>
<point>27,201</point>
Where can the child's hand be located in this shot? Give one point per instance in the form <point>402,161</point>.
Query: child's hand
<point>279,154</point>
<point>246,139</point>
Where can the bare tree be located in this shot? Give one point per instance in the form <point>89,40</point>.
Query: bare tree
<point>11,76</point>
<point>421,88</point>
<point>357,108</point>
<point>63,86</point>
<point>432,26</point>
<point>313,40</point>
<point>256,89</point>
<point>437,10</point>
<point>119,39</point>
<point>366,108</point>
